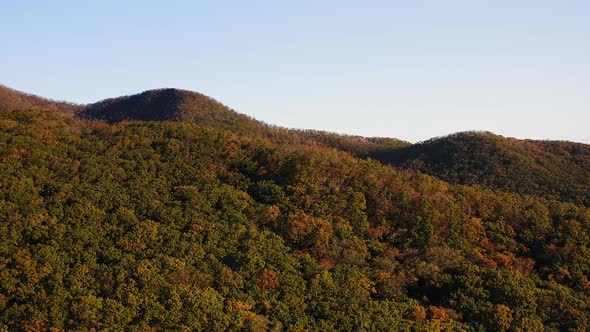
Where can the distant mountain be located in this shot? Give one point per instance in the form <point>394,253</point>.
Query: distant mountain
<point>11,99</point>
<point>172,105</point>
<point>553,169</point>
<point>193,107</point>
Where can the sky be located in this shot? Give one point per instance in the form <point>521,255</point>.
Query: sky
<point>406,69</point>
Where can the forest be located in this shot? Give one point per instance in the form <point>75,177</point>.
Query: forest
<point>169,211</point>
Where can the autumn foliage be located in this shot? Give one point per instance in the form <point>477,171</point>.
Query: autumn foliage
<point>205,226</point>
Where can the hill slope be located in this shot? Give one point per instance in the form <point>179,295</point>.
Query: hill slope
<point>193,107</point>
<point>11,99</point>
<point>189,216</point>
<point>559,170</point>
<point>172,105</point>
<point>174,226</point>
<point>545,168</point>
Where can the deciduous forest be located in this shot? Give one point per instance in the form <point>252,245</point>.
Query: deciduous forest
<point>169,211</point>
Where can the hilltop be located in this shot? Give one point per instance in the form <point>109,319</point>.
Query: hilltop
<point>553,169</point>
<point>193,107</point>
<point>172,105</point>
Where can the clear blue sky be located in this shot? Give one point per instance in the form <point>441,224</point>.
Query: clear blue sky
<point>406,69</point>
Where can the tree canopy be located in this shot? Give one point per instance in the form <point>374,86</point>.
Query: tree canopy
<point>172,225</point>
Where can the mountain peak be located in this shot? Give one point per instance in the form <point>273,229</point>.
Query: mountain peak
<point>553,169</point>
<point>151,105</point>
<point>170,104</point>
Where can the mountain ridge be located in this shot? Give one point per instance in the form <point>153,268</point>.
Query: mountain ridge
<point>11,99</point>
<point>177,225</point>
<point>552,169</point>
<point>169,104</point>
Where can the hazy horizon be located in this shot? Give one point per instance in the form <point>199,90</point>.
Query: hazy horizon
<point>393,69</point>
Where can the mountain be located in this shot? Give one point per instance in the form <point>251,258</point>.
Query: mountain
<point>11,99</point>
<point>172,105</point>
<point>193,107</point>
<point>555,170</point>
<point>552,169</point>
<point>163,218</point>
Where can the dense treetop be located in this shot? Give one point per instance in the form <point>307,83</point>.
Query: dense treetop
<point>172,105</point>
<point>553,169</point>
<point>183,225</point>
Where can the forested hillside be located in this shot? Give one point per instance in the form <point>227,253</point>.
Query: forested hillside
<point>11,99</point>
<point>171,225</point>
<point>553,169</point>
<point>192,107</point>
